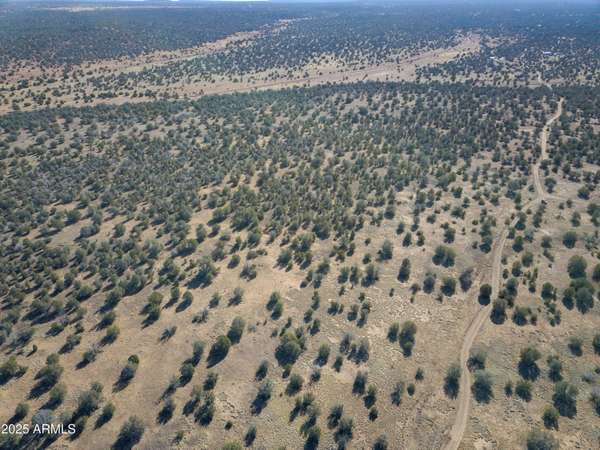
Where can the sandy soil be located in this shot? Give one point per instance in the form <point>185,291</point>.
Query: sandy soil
<point>464,398</point>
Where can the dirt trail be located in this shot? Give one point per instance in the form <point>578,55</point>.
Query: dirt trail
<point>544,145</point>
<point>464,396</point>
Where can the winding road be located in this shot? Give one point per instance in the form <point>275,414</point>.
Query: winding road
<point>464,395</point>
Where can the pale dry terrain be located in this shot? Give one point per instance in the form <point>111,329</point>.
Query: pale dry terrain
<point>49,87</point>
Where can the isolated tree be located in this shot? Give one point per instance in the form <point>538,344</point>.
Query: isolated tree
<point>129,371</point>
<point>452,380</point>
<point>448,286</point>
<point>371,275</point>
<point>429,283</point>
<point>565,399</point>
<point>345,432</point>
<point>393,331</point>
<point>21,412</point>
<point>498,314</point>
<point>381,443</point>
<point>360,382</point>
<point>550,417</point>
<point>577,267</point>
<point>596,344</point>
<point>335,414</point>
<point>540,440</point>
<point>131,433</point>
<point>323,354</point>
<point>482,386</point>
<point>404,272</point>
<point>528,367</point>
<point>236,330</point>
<point>444,256</point>
<point>289,349</point>
<point>407,337</point>
<point>262,396</point>
<point>466,279</point>
<point>219,349</point>
<point>106,414</point>
<point>595,399</point>
<point>313,438</point>
<point>387,250</point>
<point>570,239</point>
<point>477,360</point>
<point>554,368</point>
<point>523,390</point>
<point>485,293</point>
<point>596,273</point>
<point>56,396</point>
<point>295,384</point>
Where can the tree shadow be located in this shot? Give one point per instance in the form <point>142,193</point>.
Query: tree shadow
<point>183,305</point>
<point>484,300</point>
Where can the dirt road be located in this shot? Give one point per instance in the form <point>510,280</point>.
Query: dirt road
<point>464,395</point>
<point>539,189</point>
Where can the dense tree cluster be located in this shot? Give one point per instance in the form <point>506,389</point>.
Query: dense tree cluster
<point>56,36</point>
<point>517,49</point>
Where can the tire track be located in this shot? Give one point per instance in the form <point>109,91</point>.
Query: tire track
<point>464,397</point>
